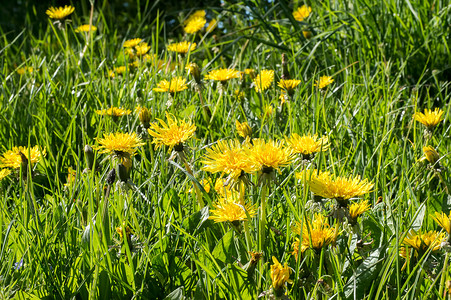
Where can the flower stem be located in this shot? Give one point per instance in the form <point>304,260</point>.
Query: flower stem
<point>262,222</point>
<point>249,243</point>
<point>190,171</point>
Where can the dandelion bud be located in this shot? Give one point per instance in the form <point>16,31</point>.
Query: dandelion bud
<point>144,116</point>
<point>193,69</point>
<point>111,177</point>
<point>89,157</point>
<point>243,129</point>
<point>430,154</point>
<point>307,34</point>
<point>122,172</point>
<point>285,72</point>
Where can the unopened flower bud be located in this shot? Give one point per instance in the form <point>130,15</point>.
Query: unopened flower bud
<point>89,157</point>
<point>193,69</point>
<point>243,129</point>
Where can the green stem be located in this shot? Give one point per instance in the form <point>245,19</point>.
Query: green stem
<point>262,222</point>
<point>249,243</point>
<point>196,188</point>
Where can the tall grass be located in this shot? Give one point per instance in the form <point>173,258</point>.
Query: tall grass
<point>389,59</point>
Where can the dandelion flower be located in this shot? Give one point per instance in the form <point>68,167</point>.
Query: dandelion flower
<point>223,75</point>
<point>22,71</point>
<point>430,118</point>
<point>176,84</point>
<point>182,47</point>
<point>307,145</point>
<point>85,28</point>
<point>243,129</point>
<point>60,13</point>
<point>194,25</point>
<point>142,49</point>
<point>288,85</point>
<point>307,174</point>
<point>279,276</point>
<point>4,173</point>
<point>307,34</point>
<point>340,188</point>
<point>113,112</point>
<point>18,155</point>
<point>195,15</point>
<point>302,13</point>
<point>356,209</point>
<point>250,72</point>
<point>223,190</point>
<point>173,133</point>
<point>263,80</point>
<point>226,210</point>
<point>119,144</point>
<point>132,43</point>
<point>211,25</point>
<point>324,81</point>
<point>269,156</point>
<point>423,241</point>
<point>430,155</point>
<point>228,157</point>
<point>443,220</point>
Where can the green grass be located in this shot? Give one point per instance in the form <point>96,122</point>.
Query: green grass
<point>389,59</point>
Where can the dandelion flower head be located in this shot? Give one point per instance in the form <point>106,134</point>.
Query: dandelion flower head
<point>423,241</point>
<point>132,43</point>
<point>243,129</point>
<point>279,274</point>
<point>85,28</point>
<point>176,84</point>
<point>263,80</point>
<point>430,154</point>
<point>4,173</point>
<point>173,133</point>
<point>357,209</point>
<point>302,13</point>
<point>269,156</point>
<point>443,220</point>
<point>15,157</point>
<point>324,81</point>
<point>308,144</point>
<point>60,13</point>
<point>119,143</point>
<point>182,47</point>
<point>429,118</point>
<point>289,85</point>
<point>222,75</point>
<point>229,210</point>
<point>114,112</point>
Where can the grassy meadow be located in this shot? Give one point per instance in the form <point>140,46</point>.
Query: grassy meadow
<point>237,150</point>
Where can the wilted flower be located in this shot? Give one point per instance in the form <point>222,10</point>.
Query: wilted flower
<point>60,13</point>
<point>430,118</point>
<point>302,13</point>
<point>443,220</point>
<point>20,156</point>
<point>307,145</point>
<point>243,129</point>
<point>324,81</point>
<point>279,276</point>
<point>263,80</point>
<point>176,84</point>
<point>430,155</point>
<point>172,134</point>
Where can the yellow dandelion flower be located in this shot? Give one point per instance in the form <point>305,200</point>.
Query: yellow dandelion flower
<point>223,189</point>
<point>430,155</point>
<point>307,174</point>
<point>316,234</point>
<point>429,118</point>
<point>182,47</point>
<point>85,28</point>
<point>212,25</point>
<point>173,133</point>
<point>113,112</point>
<point>4,173</point>
<point>71,177</point>
<point>142,49</point>
<point>443,220</point>
<point>307,145</point>
<point>356,209</point>
<point>176,84</point>
<point>269,156</point>
<point>307,34</point>
<point>120,70</point>
<point>288,85</point>
<point>423,241</point>
<point>229,210</point>
<point>243,129</point>
<point>324,81</point>
<point>279,276</point>
<point>132,43</point>
<point>22,71</point>
<point>222,75</point>
<point>119,143</point>
<point>239,95</point>
<point>264,80</point>
<point>302,13</point>
<point>340,188</point>
<point>60,13</point>
<point>128,231</point>
<point>195,15</point>
<point>251,73</point>
<point>194,25</point>
<point>228,157</point>
<point>18,155</point>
